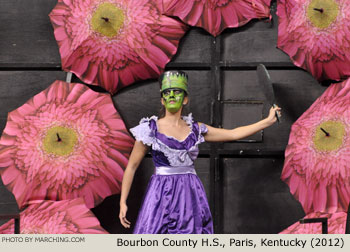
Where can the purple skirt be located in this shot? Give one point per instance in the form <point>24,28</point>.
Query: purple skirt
<point>174,204</point>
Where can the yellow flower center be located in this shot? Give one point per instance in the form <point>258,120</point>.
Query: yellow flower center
<point>322,13</point>
<point>329,136</point>
<point>60,141</point>
<point>107,20</point>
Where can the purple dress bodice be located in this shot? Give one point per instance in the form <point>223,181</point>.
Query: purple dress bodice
<point>168,151</point>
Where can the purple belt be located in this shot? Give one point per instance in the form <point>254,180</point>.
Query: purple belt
<point>170,170</point>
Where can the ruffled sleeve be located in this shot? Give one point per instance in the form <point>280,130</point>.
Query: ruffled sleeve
<point>202,131</point>
<point>198,130</point>
<point>144,132</point>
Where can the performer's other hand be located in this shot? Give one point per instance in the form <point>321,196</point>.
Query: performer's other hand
<point>122,216</point>
<point>272,114</point>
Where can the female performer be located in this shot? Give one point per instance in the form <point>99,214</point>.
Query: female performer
<point>175,201</point>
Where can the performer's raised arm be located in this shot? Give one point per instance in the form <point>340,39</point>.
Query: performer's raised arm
<point>222,135</point>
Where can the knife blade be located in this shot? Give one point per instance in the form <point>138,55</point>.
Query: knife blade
<point>266,84</point>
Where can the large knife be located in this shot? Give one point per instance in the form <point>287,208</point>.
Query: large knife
<point>266,84</point>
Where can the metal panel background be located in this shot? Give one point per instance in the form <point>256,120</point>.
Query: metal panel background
<point>255,200</point>
<point>7,202</point>
<point>26,34</point>
<point>254,43</point>
<point>241,179</point>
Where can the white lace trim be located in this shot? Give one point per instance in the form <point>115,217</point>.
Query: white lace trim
<point>176,157</point>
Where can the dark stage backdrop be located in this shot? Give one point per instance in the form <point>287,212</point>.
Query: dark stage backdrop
<point>242,179</point>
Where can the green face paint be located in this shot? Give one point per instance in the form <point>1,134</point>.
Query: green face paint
<point>173,99</point>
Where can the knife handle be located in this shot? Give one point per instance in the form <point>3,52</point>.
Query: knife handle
<point>277,114</point>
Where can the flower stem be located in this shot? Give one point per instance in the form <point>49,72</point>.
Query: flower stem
<point>327,134</point>
<point>58,138</point>
<point>320,10</point>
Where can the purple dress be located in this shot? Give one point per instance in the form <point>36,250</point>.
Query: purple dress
<point>175,200</point>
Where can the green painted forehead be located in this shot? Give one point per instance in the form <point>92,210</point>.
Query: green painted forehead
<point>174,79</point>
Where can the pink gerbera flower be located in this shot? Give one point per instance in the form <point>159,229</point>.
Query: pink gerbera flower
<point>336,224</point>
<point>66,142</point>
<point>60,217</point>
<point>216,15</point>
<point>315,34</point>
<point>317,167</point>
<point>113,43</point>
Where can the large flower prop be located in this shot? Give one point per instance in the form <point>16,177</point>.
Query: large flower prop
<point>66,142</point>
<point>336,224</point>
<point>60,217</point>
<point>317,165</point>
<point>113,43</point>
<point>216,15</point>
<point>315,34</point>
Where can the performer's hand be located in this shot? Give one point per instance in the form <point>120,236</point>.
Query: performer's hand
<point>272,114</point>
<point>122,216</point>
